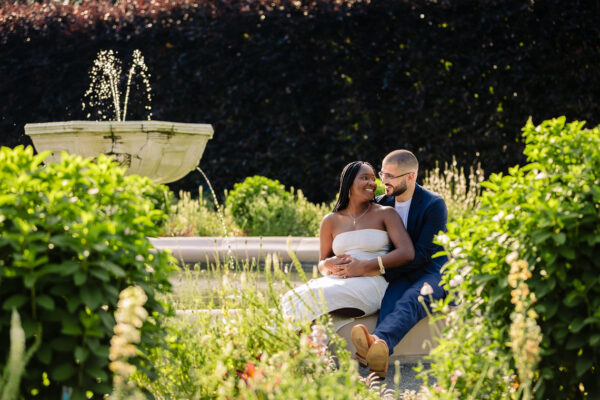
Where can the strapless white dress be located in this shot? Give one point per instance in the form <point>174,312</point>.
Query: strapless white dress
<point>330,293</point>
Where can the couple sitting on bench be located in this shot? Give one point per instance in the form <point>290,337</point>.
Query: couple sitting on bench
<point>376,254</point>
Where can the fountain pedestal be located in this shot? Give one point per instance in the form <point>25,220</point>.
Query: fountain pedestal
<point>162,151</point>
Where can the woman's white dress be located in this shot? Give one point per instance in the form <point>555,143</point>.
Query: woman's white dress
<point>330,293</point>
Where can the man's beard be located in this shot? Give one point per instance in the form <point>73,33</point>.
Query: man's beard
<point>398,190</point>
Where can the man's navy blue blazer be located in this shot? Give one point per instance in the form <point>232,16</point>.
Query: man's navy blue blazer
<point>427,216</point>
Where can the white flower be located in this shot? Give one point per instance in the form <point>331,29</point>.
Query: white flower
<point>443,239</point>
<point>456,280</point>
<point>512,257</point>
<point>426,290</point>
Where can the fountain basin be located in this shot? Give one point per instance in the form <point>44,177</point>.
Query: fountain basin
<point>162,151</point>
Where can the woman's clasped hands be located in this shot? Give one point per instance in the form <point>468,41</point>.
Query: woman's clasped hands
<point>343,266</point>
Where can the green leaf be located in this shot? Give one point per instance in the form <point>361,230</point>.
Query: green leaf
<point>560,334</point>
<point>96,372</point>
<point>577,324</point>
<point>559,238</point>
<point>567,252</point>
<point>62,372</point>
<point>100,350</point>
<point>29,280</point>
<point>81,354</point>
<point>595,340</point>
<point>79,278</point>
<point>584,363</point>
<point>63,343</point>
<point>91,296</point>
<point>540,236</point>
<point>62,290</point>
<point>107,319</point>
<point>102,387</point>
<point>14,301</point>
<point>576,341</point>
<point>71,329</point>
<point>72,303</point>
<point>100,274</point>
<point>45,301</point>
<point>573,299</point>
<point>44,354</point>
<point>65,268</point>
<point>112,268</point>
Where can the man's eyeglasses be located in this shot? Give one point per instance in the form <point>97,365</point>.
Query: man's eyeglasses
<point>385,175</point>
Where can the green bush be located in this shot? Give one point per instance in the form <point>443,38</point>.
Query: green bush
<point>72,236</point>
<point>262,207</point>
<point>238,201</point>
<point>546,213</point>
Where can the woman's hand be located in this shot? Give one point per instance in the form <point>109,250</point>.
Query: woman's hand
<point>353,268</point>
<point>332,265</point>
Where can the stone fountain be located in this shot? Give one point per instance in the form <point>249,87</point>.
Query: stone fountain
<point>162,151</point>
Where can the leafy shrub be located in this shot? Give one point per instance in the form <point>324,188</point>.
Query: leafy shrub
<point>262,207</point>
<point>197,217</point>
<point>72,235</point>
<point>239,200</point>
<point>546,213</point>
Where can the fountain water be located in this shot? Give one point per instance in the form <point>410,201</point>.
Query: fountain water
<point>104,89</point>
<point>163,151</point>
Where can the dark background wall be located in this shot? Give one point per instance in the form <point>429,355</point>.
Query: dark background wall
<point>295,90</point>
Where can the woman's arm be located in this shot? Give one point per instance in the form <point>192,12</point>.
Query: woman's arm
<point>403,253</point>
<point>328,261</point>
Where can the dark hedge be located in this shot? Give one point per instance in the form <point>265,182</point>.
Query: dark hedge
<point>296,89</point>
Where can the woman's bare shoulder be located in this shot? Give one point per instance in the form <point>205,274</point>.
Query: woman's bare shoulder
<point>330,218</point>
<point>383,209</point>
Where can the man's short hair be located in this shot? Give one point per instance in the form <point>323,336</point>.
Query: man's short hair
<point>404,159</point>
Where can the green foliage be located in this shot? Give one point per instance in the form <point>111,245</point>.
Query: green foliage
<point>546,213</point>
<point>72,235</point>
<point>262,207</point>
<point>380,188</point>
<point>197,217</point>
<point>244,348</point>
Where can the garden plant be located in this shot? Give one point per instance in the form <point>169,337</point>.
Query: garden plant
<point>72,236</point>
<point>524,274</point>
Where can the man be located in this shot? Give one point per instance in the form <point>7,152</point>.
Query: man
<point>424,215</point>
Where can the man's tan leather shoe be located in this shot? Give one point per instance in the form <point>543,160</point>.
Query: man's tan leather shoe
<point>362,340</point>
<point>378,358</point>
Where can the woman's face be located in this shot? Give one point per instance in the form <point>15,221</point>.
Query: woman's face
<point>364,185</point>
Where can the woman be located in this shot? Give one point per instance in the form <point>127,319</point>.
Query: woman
<point>357,228</point>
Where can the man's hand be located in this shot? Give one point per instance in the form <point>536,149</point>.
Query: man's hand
<point>332,265</point>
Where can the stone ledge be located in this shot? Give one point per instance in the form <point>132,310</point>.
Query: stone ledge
<point>200,249</point>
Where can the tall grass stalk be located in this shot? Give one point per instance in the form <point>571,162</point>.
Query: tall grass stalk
<point>17,358</point>
<point>459,190</point>
<point>196,217</point>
